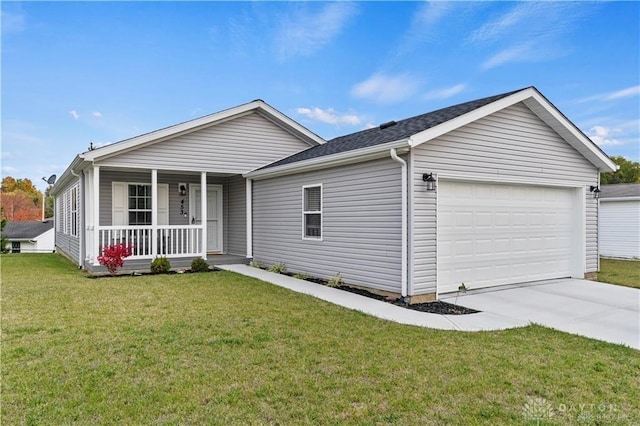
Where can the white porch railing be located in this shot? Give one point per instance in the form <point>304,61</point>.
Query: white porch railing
<point>173,240</point>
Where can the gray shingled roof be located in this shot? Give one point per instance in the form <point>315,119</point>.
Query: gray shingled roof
<point>620,190</point>
<point>401,130</point>
<point>26,230</point>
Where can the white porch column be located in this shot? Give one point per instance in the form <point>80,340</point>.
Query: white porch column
<point>154,213</point>
<point>96,214</point>
<point>203,212</point>
<point>249,214</point>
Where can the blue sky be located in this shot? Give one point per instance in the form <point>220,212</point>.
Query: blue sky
<point>76,73</point>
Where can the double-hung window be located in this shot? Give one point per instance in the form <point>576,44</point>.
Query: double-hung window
<point>139,200</point>
<point>312,212</point>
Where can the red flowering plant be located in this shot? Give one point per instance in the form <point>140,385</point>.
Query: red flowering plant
<point>113,256</point>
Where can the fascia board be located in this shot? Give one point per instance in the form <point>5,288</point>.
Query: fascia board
<point>266,110</point>
<point>289,124</point>
<point>604,163</point>
<point>363,154</point>
<point>453,124</point>
<point>67,175</point>
<point>172,131</point>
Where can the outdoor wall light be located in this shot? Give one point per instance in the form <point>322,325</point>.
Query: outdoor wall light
<point>182,189</point>
<point>431,182</point>
<point>595,190</point>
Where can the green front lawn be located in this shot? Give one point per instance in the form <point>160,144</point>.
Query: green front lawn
<point>621,272</point>
<point>220,348</point>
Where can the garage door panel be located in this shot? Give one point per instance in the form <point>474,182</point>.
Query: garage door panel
<point>502,234</point>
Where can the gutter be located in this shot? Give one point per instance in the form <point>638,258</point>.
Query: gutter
<point>403,166</point>
<point>332,160</point>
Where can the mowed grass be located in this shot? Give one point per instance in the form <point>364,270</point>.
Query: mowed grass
<point>220,348</point>
<point>621,272</point>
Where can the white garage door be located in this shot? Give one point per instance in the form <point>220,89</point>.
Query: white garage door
<point>493,234</point>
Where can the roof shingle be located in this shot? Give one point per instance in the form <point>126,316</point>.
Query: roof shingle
<point>383,134</point>
<point>26,230</point>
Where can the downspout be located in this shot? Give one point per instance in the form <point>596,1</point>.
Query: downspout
<point>403,164</point>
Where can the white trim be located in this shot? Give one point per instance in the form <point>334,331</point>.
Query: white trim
<point>154,212</point>
<point>204,210</point>
<point>552,116</point>
<point>485,178</point>
<point>96,213</point>
<point>579,233</point>
<point>348,157</point>
<point>304,212</point>
<point>412,223</point>
<point>249,216</point>
<point>263,108</point>
<point>403,266</point>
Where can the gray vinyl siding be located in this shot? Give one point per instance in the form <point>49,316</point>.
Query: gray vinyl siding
<point>236,216</point>
<point>236,146</point>
<point>68,244</point>
<point>234,223</point>
<point>510,144</point>
<point>361,214</point>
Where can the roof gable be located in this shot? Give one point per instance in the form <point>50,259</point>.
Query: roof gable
<point>423,128</point>
<point>257,106</point>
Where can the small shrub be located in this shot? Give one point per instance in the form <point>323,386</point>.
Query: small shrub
<point>255,264</point>
<point>278,268</point>
<point>199,265</point>
<point>113,256</point>
<point>302,276</point>
<point>335,281</point>
<point>160,265</point>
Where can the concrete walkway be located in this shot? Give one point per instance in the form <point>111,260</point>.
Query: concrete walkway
<point>575,306</point>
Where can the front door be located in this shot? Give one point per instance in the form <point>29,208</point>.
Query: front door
<point>214,214</point>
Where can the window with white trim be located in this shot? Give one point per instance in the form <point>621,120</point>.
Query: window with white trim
<point>68,215</point>
<point>139,202</point>
<point>312,212</point>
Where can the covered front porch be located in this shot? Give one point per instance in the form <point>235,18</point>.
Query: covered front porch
<point>165,213</point>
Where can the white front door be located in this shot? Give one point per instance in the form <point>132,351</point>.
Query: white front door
<point>214,214</point>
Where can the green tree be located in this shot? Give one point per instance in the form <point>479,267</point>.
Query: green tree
<point>628,172</point>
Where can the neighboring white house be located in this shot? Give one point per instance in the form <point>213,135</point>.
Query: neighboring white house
<point>30,236</point>
<point>494,191</point>
<point>619,221</point>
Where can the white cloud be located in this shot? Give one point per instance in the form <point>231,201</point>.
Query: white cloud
<point>304,33</point>
<point>604,136</point>
<point>446,92</point>
<point>96,114</point>
<point>9,170</point>
<point>329,116</point>
<point>74,114</point>
<point>624,93</point>
<point>518,40</point>
<point>522,52</point>
<point>386,89</point>
<point>609,96</point>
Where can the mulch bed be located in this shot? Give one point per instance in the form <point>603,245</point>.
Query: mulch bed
<point>435,307</point>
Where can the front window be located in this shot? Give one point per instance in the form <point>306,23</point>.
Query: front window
<point>312,212</point>
<point>139,204</point>
<point>15,246</point>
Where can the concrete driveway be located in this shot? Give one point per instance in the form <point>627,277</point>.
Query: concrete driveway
<point>588,308</point>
